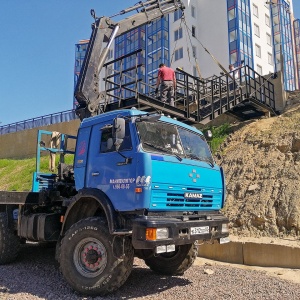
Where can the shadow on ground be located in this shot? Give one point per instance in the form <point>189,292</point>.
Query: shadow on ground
<point>36,273</point>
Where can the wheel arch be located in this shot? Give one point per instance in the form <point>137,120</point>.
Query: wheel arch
<point>89,203</point>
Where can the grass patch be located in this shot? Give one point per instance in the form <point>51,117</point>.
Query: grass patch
<point>16,174</point>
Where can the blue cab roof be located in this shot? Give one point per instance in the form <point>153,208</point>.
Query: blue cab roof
<point>108,116</point>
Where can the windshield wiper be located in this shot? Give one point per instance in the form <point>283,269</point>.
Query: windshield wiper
<point>208,160</point>
<point>201,158</point>
<point>163,150</point>
<point>192,156</point>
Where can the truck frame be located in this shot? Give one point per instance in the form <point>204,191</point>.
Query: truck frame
<point>141,184</point>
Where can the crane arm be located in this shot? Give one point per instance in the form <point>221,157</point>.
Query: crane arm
<point>104,31</point>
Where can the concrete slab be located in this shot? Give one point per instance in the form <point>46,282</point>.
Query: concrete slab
<point>271,255</point>
<point>255,252</point>
<point>231,252</point>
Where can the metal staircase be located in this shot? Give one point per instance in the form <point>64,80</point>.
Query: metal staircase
<point>196,100</point>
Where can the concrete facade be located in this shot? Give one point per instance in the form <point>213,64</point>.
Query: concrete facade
<point>214,36</point>
<point>22,144</point>
<point>259,21</point>
<point>211,34</point>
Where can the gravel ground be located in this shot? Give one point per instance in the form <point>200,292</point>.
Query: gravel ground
<point>35,275</point>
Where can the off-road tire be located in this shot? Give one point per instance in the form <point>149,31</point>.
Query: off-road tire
<point>93,261</point>
<point>173,263</point>
<point>9,242</point>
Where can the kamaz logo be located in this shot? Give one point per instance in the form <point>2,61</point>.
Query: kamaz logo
<point>192,195</point>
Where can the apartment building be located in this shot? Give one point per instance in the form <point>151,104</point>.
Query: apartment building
<point>262,33</point>
<point>214,33</point>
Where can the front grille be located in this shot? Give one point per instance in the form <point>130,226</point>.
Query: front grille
<point>163,198</point>
<point>178,200</point>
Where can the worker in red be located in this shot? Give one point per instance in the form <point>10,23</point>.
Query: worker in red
<point>167,81</point>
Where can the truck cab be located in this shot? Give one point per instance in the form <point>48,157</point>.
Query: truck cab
<point>150,166</point>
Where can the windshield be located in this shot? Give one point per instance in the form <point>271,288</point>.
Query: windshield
<point>167,138</point>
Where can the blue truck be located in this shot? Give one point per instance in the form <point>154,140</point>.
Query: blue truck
<point>142,184</point>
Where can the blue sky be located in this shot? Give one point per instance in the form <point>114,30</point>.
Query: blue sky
<point>38,40</point>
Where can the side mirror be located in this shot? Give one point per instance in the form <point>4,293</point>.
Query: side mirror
<point>208,135</point>
<point>118,132</point>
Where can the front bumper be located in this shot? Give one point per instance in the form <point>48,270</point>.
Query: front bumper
<point>180,229</point>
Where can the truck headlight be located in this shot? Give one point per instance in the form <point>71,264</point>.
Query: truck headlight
<point>153,234</point>
<point>162,233</point>
<point>225,228</point>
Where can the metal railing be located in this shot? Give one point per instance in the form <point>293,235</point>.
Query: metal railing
<point>50,119</point>
<point>218,94</point>
<point>196,100</point>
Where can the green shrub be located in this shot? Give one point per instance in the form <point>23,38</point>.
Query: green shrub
<point>219,134</point>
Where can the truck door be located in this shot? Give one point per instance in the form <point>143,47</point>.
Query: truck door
<point>108,170</point>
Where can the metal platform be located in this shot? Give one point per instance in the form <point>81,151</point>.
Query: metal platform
<point>197,101</point>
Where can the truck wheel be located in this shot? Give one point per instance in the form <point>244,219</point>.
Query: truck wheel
<point>93,261</point>
<point>173,263</point>
<point>9,242</point>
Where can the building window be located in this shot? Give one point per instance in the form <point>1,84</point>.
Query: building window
<point>193,31</point>
<point>259,69</point>
<point>178,53</point>
<point>193,11</point>
<point>194,51</point>
<point>267,19</point>
<point>110,54</point>
<point>269,40</point>
<point>177,14</point>
<point>255,10</point>
<point>256,30</point>
<point>195,73</point>
<point>270,59</point>
<point>257,50</point>
<point>178,34</point>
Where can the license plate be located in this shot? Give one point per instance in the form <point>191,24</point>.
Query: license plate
<point>199,230</point>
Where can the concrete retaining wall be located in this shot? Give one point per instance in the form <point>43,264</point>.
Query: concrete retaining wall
<point>22,144</point>
<point>253,254</point>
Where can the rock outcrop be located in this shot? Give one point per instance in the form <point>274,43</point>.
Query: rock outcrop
<point>261,160</point>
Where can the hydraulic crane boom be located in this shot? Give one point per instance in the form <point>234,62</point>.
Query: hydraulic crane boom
<point>104,31</point>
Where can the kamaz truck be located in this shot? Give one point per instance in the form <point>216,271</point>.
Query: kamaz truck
<point>142,184</point>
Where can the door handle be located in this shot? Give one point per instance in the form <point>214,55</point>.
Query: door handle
<point>95,174</point>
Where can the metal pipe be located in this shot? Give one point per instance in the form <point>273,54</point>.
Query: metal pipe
<point>105,51</point>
